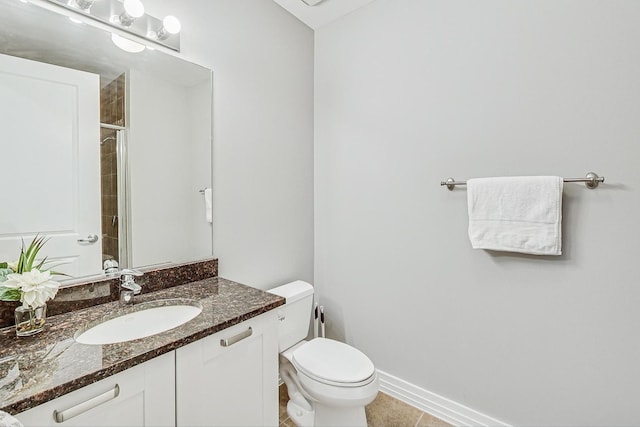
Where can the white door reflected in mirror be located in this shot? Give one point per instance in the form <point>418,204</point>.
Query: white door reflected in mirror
<point>49,116</point>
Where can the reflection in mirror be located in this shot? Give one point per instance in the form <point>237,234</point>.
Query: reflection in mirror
<point>107,152</point>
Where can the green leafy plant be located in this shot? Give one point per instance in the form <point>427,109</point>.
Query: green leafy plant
<point>28,280</point>
<point>28,256</point>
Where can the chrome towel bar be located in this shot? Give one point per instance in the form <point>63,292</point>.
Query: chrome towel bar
<point>591,180</point>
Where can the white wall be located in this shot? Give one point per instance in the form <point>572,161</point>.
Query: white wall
<point>170,161</point>
<point>410,92</point>
<point>262,59</point>
<point>201,171</point>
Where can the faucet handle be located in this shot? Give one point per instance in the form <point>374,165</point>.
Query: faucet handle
<point>127,281</point>
<point>130,273</point>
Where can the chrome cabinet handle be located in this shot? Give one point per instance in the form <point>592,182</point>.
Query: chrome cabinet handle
<point>91,238</point>
<point>226,342</point>
<point>81,408</point>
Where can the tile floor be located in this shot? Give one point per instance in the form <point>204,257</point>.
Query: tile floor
<point>385,411</point>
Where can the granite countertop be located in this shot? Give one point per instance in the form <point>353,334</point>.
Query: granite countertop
<point>34,370</point>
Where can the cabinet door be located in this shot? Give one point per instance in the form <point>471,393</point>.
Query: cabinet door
<point>141,396</point>
<point>230,378</point>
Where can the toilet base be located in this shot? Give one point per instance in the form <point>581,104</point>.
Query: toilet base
<point>346,417</point>
<point>326,416</point>
<point>300,416</point>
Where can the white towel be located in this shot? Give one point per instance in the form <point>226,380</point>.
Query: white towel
<point>208,205</point>
<point>516,214</point>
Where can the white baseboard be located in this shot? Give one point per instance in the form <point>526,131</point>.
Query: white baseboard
<point>436,405</point>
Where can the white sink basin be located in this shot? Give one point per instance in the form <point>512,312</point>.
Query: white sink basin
<point>145,320</point>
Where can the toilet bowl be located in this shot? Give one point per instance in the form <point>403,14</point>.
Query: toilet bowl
<point>329,382</point>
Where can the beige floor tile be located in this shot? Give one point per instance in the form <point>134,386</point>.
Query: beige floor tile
<point>385,411</point>
<point>430,421</point>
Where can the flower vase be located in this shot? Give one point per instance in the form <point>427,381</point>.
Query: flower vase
<point>30,321</point>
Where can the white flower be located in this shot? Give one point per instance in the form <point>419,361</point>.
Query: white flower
<point>36,287</point>
<point>13,265</point>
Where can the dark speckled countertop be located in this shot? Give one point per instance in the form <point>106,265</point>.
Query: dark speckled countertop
<point>34,370</point>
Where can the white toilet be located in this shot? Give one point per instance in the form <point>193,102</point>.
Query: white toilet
<point>329,382</point>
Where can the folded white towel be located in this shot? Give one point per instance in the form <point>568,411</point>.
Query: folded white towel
<point>208,205</point>
<point>516,214</point>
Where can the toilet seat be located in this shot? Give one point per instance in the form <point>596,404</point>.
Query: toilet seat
<point>333,363</point>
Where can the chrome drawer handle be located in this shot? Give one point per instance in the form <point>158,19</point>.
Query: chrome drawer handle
<point>81,408</point>
<point>226,342</point>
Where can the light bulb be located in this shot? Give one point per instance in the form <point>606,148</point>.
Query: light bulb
<point>133,9</point>
<point>170,25</point>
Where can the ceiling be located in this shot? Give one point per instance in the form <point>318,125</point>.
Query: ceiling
<point>323,13</point>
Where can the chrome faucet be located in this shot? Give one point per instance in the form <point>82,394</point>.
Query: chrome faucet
<point>111,267</point>
<point>128,286</point>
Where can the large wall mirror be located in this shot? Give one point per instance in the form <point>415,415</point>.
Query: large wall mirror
<point>107,152</point>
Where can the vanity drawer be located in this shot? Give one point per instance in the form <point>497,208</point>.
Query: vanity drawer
<point>142,396</point>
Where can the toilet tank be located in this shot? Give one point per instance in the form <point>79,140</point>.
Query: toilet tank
<point>295,315</point>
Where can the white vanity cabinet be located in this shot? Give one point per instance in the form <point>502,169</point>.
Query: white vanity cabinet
<point>230,378</point>
<point>140,396</point>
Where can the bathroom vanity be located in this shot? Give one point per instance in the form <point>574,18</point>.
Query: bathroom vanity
<point>208,371</point>
<point>221,368</point>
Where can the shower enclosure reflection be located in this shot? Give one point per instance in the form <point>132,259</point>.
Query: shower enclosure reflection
<point>112,165</point>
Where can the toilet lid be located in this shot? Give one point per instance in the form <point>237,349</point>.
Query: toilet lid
<point>333,361</point>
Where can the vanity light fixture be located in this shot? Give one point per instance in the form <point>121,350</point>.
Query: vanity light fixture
<point>81,4</point>
<point>125,17</point>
